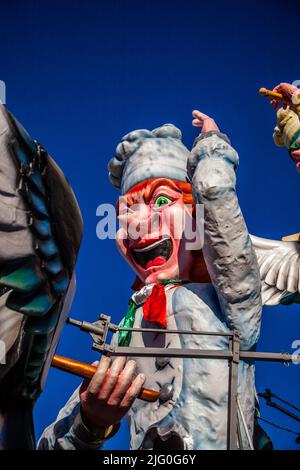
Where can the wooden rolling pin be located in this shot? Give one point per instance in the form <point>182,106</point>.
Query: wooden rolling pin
<point>271,94</point>
<point>86,371</point>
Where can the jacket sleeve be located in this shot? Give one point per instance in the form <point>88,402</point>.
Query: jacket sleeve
<point>227,248</point>
<point>68,431</point>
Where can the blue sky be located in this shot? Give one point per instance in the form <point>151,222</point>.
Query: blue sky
<point>79,75</point>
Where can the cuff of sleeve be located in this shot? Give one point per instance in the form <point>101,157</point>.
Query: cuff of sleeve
<point>209,134</point>
<point>214,145</point>
<point>89,438</point>
<point>295,145</point>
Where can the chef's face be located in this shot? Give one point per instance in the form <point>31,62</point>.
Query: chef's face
<point>152,219</point>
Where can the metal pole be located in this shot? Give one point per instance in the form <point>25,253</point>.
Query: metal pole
<point>245,425</point>
<point>162,352</point>
<point>193,353</point>
<point>98,328</point>
<point>240,440</point>
<point>232,424</point>
<point>268,356</point>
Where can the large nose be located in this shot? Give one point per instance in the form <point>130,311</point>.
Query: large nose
<point>142,221</point>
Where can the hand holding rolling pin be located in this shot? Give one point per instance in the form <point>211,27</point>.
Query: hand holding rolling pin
<point>110,388</point>
<point>106,398</point>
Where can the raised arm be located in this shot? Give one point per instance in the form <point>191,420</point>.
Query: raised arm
<point>227,249</point>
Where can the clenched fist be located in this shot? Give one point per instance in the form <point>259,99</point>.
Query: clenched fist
<point>107,397</point>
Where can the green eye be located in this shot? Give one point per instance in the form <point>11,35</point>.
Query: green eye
<point>162,201</point>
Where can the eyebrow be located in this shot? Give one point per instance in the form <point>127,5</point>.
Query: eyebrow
<point>146,191</point>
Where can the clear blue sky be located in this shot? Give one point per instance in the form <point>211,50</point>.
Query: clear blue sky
<point>79,75</point>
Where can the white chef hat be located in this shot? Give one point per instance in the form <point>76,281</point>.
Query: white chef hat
<point>144,154</point>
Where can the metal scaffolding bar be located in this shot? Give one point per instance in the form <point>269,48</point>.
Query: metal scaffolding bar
<point>162,352</point>
<point>193,353</point>
<point>269,356</point>
<point>100,329</point>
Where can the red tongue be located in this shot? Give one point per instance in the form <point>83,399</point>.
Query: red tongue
<point>156,262</point>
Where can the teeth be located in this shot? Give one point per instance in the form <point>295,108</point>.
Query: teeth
<point>150,247</point>
<point>161,248</point>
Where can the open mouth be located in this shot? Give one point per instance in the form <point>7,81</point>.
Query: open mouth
<point>153,255</point>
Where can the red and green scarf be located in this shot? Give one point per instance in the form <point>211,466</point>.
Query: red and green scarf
<point>154,310</point>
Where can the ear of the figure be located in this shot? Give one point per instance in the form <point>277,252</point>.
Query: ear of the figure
<point>41,228</point>
<point>279,264</point>
<point>137,284</point>
<point>199,272</point>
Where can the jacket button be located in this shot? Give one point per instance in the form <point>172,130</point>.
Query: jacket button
<point>166,393</point>
<point>161,362</point>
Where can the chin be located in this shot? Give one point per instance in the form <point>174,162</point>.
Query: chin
<point>162,275</point>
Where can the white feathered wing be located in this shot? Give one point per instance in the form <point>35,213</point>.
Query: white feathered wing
<point>279,264</point>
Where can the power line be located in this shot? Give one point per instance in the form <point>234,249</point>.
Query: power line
<point>268,394</point>
<point>279,427</point>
